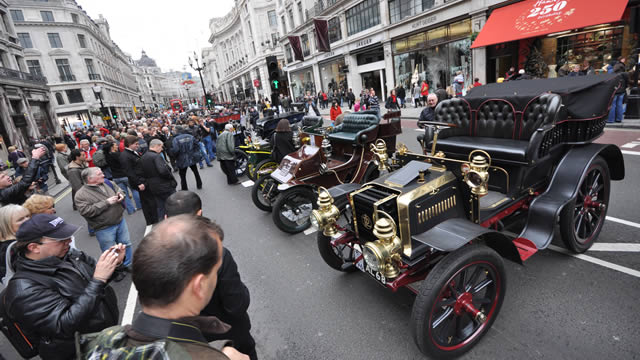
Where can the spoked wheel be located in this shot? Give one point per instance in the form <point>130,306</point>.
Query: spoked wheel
<point>242,162</point>
<point>336,257</point>
<point>458,301</point>
<point>263,168</point>
<point>292,209</point>
<point>264,193</point>
<point>581,220</point>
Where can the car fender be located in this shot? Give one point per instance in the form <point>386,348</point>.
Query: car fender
<point>563,188</point>
<point>455,233</point>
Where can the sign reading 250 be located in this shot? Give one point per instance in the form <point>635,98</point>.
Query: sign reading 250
<point>543,7</point>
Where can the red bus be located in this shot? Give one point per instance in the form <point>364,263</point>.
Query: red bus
<point>176,105</point>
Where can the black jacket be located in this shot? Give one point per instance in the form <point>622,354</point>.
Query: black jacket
<point>15,194</point>
<point>283,145</point>
<point>67,300</point>
<point>113,161</point>
<point>401,92</point>
<point>130,165</point>
<point>158,173</point>
<point>230,302</point>
<point>427,114</point>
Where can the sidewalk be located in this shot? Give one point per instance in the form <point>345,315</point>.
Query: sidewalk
<point>411,113</point>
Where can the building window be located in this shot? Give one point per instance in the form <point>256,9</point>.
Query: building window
<point>335,33</point>
<point>16,15</point>
<point>304,39</point>
<point>363,16</point>
<point>25,40</point>
<point>293,23</point>
<point>82,41</point>
<point>34,67</point>
<point>74,96</point>
<point>300,13</point>
<point>400,9</point>
<point>90,68</point>
<point>287,52</point>
<point>249,27</point>
<point>64,70</point>
<point>284,24</point>
<point>59,98</point>
<point>47,16</point>
<point>274,38</point>
<point>54,40</point>
<point>273,20</point>
<point>74,18</point>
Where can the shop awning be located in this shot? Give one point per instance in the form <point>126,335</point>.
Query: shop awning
<point>532,18</point>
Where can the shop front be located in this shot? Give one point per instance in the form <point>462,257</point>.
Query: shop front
<point>549,38</point>
<point>434,56</point>
<point>302,83</point>
<point>332,75</point>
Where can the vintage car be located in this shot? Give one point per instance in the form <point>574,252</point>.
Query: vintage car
<point>505,166</point>
<point>348,154</point>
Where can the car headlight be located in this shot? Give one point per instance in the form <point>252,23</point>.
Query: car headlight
<point>315,222</point>
<point>372,257</point>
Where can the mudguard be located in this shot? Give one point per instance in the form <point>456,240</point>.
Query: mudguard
<point>339,193</point>
<point>453,234</point>
<point>544,210</point>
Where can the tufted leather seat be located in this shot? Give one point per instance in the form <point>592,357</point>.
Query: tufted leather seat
<point>354,126</point>
<point>311,123</point>
<point>496,127</point>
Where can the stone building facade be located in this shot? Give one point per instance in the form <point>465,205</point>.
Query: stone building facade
<point>75,53</point>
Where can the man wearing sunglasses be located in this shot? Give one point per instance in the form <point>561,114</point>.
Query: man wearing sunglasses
<point>57,290</point>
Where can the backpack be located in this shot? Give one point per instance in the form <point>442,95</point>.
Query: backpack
<point>111,343</point>
<point>26,346</point>
<point>99,159</point>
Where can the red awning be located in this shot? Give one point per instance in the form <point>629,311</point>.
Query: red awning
<point>532,18</point>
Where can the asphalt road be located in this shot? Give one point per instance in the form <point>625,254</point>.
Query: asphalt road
<point>556,306</point>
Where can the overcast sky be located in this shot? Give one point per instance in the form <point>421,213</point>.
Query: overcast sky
<point>169,31</point>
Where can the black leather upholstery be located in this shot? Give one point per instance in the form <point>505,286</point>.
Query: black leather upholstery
<point>497,127</point>
<point>311,123</point>
<point>505,149</point>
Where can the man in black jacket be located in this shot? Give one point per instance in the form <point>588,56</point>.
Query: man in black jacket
<point>129,162</point>
<point>186,151</point>
<point>11,193</point>
<point>160,180</point>
<point>58,291</point>
<point>231,297</point>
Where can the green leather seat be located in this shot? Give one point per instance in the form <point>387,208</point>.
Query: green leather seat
<point>354,126</point>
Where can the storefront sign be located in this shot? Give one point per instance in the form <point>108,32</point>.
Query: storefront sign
<point>256,83</point>
<point>365,42</point>
<point>424,22</point>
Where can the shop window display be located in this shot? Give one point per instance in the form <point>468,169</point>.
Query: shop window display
<point>301,83</point>
<point>332,76</point>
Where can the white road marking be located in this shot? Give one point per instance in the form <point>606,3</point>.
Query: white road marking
<point>132,298</point>
<point>596,261</point>
<point>627,152</point>
<point>310,230</point>
<point>625,222</point>
<point>630,145</point>
<point>247,183</point>
<point>65,193</point>
<point>616,247</point>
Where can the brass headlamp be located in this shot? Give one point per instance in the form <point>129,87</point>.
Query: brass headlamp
<point>379,149</point>
<point>381,255</point>
<point>476,172</point>
<point>326,215</point>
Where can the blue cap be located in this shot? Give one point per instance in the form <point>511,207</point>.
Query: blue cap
<point>45,225</point>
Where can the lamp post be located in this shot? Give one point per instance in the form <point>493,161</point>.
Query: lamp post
<point>199,69</point>
<point>97,89</point>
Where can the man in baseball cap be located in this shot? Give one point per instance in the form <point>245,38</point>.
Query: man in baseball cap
<point>57,290</point>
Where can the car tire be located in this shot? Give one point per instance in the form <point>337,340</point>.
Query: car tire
<point>371,174</point>
<point>293,200</point>
<point>257,193</point>
<point>475,273</point>
<point>241,163</point>
<point>263,165</point>
<point>329,255</point>
<point>580,220</point>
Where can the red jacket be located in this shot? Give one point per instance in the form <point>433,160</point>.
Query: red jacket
<point>104,132</point>
<point>89,155</point>
<point>335,112</point>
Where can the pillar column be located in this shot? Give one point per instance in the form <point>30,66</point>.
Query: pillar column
<point>479,55</point>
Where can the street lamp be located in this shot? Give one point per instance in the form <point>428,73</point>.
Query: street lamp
<point>199,69</point>
<point>97,89</point>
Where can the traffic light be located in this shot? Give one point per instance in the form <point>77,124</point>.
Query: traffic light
<point>115,116</point>
<point>274,79</point>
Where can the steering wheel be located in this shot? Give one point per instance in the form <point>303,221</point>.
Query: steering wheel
<point>437,124</point>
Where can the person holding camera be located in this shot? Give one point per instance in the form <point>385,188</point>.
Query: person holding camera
<point>99,201</point>
<point>11,193</point>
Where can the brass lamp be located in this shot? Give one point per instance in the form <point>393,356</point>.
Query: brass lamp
<point>381,255</point>
<point>477,173</point>
<point>379,149</point>
<point>326,215</point>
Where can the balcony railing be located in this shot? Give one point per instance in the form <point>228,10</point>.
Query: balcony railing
<point>67,78</point>
<point>94,77</point>
<point>19,75</point>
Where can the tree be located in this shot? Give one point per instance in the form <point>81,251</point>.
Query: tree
<point>535,65</point>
